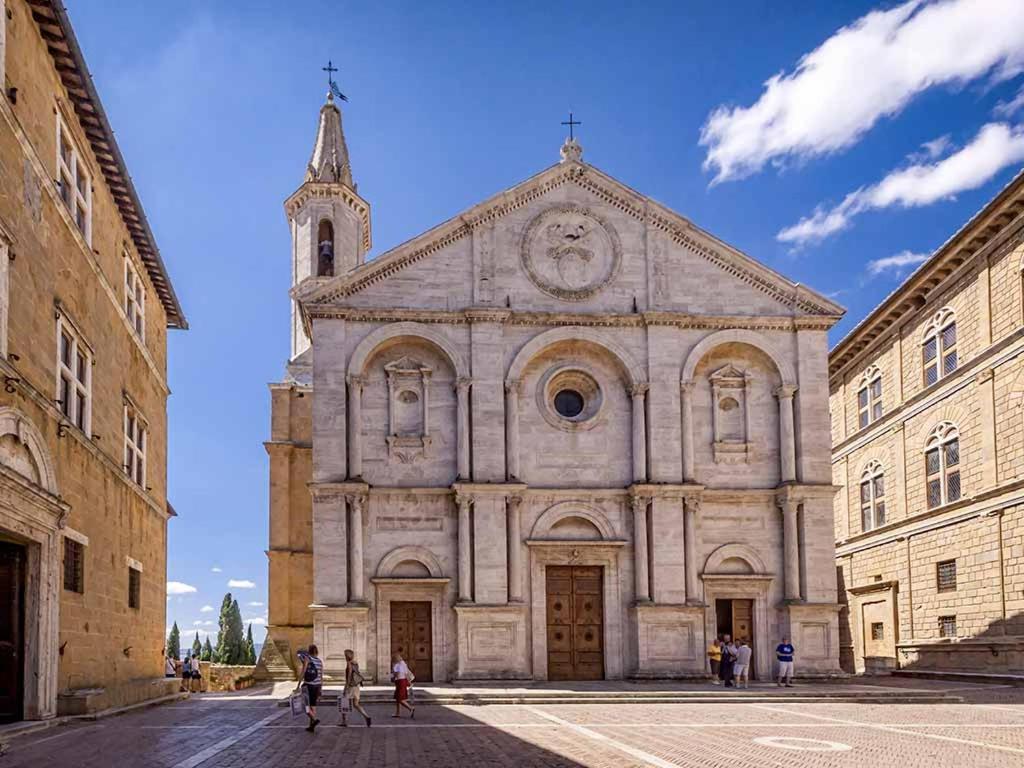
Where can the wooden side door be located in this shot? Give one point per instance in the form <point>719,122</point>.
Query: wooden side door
<point>575,622</point>
<point>12,658</point>
<point>743,626</point>
<point>411,636</point>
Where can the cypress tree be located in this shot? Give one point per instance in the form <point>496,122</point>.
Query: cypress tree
<point>174,642</point>
<point>250,647</point>
<point>197,647</point>
<point>222,653</point>
<point>237,635</point>
<point>207,653</point>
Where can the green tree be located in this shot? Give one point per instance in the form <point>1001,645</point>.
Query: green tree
<point>231,634</point>
<point>207,653</point>
<point>222,653</point>
<point>197,647</point>
<point>237,635</point>
<point>250,647</point>
<point>174,642</point>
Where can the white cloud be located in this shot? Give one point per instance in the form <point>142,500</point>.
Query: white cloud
<point>932,149</point>
<point>257,620</point>
<point>897,263</point>
<point>241,583</point>
<point>866,71</point>
<point>215,569</point>
<point>197,623</point>
<point>996,146</point>
<point>255,604</point>
<point>1011,107</point>
<point>179,588</point>
<point>206,609</point>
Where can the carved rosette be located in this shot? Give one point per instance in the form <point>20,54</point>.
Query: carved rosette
<point>570,252</point>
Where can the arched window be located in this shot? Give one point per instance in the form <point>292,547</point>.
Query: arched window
<point>869,397</point>
<point>939,346</point>
<point>942,465</point>
<point>325,249</point>
<point>872,497</point>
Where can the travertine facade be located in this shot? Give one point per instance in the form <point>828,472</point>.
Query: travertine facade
<point>84,307</point>
<point>564,434</point>
<point>927,394</point>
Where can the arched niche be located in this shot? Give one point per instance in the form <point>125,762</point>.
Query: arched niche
<point>396,563</point>
<point>23,450</point>
<point>631,370</point>
<point>395,331</point>
<point>733,560</point>
<point>573,517</point>
<point>739,336</point>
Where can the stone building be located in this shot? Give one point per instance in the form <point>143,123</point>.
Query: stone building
<point>928,444</point>
<point>85,303</point>
<point>565,434</point>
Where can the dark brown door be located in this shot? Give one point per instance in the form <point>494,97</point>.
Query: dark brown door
<point>411,637</point>
<point>575,622</point>
<point>743,625</point>
<point>12,658</point>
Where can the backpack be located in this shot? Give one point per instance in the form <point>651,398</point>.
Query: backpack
<point>311,673</point>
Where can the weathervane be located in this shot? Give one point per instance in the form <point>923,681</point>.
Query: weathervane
<point>330,69</point>
<point>570,122</point>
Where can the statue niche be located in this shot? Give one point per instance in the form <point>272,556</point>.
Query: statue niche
<point>408,436</point>
<point>730,415</point>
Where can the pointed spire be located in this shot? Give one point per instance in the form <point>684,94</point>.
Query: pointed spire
<point>330,162</point>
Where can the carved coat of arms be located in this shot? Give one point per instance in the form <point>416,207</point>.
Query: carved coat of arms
<point>570,252</point>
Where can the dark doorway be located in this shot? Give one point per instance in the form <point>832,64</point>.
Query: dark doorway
<point>575,618</point>
<point>12,631</point>
<point>411,637</point>
<point>736,618</point>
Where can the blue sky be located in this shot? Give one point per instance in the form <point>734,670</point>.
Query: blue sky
<point>885,127</point>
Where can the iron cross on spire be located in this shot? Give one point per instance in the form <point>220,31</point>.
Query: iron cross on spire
<point>571,123</point>
<point>330,69</point>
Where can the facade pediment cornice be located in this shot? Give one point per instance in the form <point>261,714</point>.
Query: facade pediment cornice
<point>605,188</point>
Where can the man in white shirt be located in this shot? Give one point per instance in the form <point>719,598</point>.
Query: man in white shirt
<point>742,667</point>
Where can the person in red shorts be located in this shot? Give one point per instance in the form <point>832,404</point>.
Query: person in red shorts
<point>402,677</point>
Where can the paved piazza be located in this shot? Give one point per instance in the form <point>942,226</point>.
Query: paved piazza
<point>251,731</point>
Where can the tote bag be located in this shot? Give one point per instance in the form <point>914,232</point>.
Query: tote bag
<point>298,701</point>
<point>344,703</point>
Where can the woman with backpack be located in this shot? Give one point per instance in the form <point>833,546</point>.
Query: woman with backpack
<point>311,677</point>
<point>353,681</point>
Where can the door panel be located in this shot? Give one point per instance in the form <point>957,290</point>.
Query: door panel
<point>411,636</point>
<point>575,615</point>
<point>12,659</point>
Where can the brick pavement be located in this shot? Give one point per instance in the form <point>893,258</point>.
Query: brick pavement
<point>224,731</point>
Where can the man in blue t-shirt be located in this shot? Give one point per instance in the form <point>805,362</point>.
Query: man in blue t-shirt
<point>784,653</point>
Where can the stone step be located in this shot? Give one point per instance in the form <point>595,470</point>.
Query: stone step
<point>962,676</point>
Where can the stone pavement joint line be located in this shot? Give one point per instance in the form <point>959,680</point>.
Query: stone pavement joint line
<point>201,757</point>
<point>631,751</point>
<point>888,728</point>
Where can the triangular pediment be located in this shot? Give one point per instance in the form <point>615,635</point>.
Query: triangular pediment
<point>727,372</point>
<point>686,250</point>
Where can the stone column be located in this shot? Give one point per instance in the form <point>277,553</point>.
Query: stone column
<point>515,549</point>
<point>691,506</point>
<point>513,388</point>
<point>686,390</point>
<point>787,432</point>
<point>791,548</point>
<point>643,586</point>
<point>462,425</point>
<point>355,543</point>
<point>355,426</point>
<point>638,392</point>
<point>465,554</point>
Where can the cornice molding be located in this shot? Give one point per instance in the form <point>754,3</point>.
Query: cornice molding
<point>334,191</point>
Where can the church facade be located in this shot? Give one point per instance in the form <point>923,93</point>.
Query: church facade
<point>566,434</point>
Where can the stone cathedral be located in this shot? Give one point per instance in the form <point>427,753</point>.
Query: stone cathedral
<point>566,434</point>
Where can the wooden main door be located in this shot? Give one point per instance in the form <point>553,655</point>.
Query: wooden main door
<point>575,616</point>
<point>411,637</point>
<point>736,618</point>
<point>12,623</point>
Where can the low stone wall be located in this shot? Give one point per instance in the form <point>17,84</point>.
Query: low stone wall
<point>991,655</point>
<point>88,701</point>
<point>226,677</point>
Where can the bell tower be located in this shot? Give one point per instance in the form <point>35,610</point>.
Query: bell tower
<point>329,221</point>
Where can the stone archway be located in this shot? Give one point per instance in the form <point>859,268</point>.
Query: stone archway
<point>24,450</point>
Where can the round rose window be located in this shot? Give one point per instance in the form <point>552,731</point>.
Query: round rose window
<point>569,403</point>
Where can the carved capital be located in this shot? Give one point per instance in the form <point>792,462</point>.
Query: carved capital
<point>462,384</point>
<point>785,391</point>
<point>686,387</point>
<point>357,501</point>
<point>513,502</point>
<point>356,382</point>
<point>788,506</point>
<point>640,503</point>
<point>692,504</point>
<point>514,386</point>
<point>638,390</point>
<point>463,500</point>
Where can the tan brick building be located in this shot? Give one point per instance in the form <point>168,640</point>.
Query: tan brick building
<point>927,401</point>
<point>85,303</point>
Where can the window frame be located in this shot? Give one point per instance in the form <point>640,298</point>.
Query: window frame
<point>939,586</point>
<point>941,322</point>
<point>74,179</point>
<point>944,622</point>
<point>940,441</point>
<point>872,507</point>
<point>80,356</point>
<point>78,579</point>
<point>871,410</point>
<point>136,442</point>
<point>134,588</point>
<point>134,297</point>
<point>880,634</point>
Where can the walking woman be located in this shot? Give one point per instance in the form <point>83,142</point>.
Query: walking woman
<point>353,681</point>
<point>311,676</point>
<point>402,677</point>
